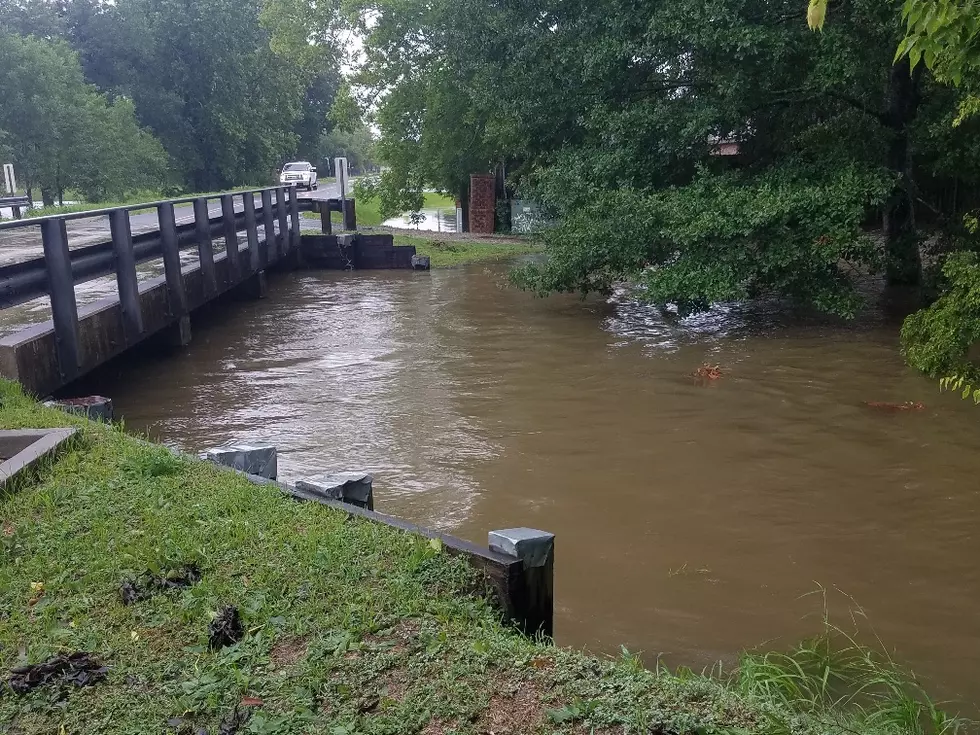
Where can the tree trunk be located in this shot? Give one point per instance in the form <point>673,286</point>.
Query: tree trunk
<point>903,264</point>
<point>47,196</point>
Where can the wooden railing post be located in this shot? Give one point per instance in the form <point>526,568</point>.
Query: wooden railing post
<point>283,221</point>
<point>294,216</point>
<point>202,226</point>
<point>326,226</point>
<point>350,217</point>
<point>176,295</point>
<point>129,294</point>
<point>267,219</point>
<point>532,603</point>
<point>231,233</point>
<point>61,287</point>
<point>251,231</point>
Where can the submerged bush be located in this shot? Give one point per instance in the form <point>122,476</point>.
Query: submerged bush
<point>937,340</point>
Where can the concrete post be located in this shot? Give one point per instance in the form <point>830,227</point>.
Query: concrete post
<point>350,215</point>
<point>94,408</point>
<point>252,459</point>
<point>354,488</point>
<point>532,603</point>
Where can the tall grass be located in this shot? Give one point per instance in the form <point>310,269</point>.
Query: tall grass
<point>845,686</point>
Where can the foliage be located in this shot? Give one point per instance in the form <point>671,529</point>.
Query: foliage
<point>230,89</point>
<point>351,626</point>
<point>63,134</point>
<point>959,383</point>
<point>357,146</point>
<point>937,340</point>
<point>945,34</point>
<point>721,238</point>
<point>589,106</point>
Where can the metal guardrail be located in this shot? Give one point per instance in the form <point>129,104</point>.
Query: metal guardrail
<point>16,203</point>
<point>56,273</point>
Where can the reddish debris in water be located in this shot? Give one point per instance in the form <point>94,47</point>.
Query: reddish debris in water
<point>893,407</point>
<point>707,372</point>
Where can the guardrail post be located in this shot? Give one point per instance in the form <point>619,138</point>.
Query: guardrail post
<point>251,231</point>
<point>267,219</point>
<point>176,295</point>
<point>61,287</point>
<point>350,218</point>
<point>283,221</point>
<point>326,226</point>
<point>532,602</point>
<point>202,226</point>
<point>294,216</point>
<point>231,232</point>
<point>129,294</point>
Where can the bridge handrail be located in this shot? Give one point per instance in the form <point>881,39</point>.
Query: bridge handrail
<point>84,214</point>
<point>56,273</point>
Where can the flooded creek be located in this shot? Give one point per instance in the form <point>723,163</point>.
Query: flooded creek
<point>692,520</point>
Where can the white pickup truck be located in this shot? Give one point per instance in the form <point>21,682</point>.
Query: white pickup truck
<point>300,173</point>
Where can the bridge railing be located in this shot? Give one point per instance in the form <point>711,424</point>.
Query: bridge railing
<point>61,267</point>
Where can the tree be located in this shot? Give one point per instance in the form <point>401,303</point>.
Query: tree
<point>592,104</point>
<point>203,77</point>
<point>62,133</point>
<point>357,147</point>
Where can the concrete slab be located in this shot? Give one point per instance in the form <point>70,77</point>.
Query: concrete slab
<point>354,488</point>
<point>21,450</point>
<point>252,459</point>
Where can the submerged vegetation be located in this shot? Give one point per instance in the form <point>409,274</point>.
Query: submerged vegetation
<point>346,626</point>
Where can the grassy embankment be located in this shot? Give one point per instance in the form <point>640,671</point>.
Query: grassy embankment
<point>444,250</point>
<point>350,627</point>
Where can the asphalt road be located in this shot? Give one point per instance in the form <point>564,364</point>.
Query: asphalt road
<point>24,243</point>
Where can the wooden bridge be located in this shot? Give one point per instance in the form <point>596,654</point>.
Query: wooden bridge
<point>48,356</point>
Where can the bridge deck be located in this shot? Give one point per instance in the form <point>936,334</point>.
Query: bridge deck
<point>48,356</point>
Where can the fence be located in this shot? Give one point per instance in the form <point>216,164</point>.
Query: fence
<point>56,273</point>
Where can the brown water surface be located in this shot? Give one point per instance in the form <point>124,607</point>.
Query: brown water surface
<point>692,520</point>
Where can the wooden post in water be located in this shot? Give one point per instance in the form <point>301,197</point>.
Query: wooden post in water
<point>269,227</point>
<point>293,217</point>
<point>283,221</point>
<point>251,231</point>
<point>129,294</point>
<point>202,226</point>
<point>61,285</point>
<point>532,596</point>
<point>230,230</point>
<point>176,294</point>
<point>350,218</point>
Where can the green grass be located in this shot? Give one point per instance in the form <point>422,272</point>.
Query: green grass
<point>445,253</point>
<point>368,214</point>
<point>351,627</point>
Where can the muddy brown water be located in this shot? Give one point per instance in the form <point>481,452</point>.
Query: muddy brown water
<point>692,521</point>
